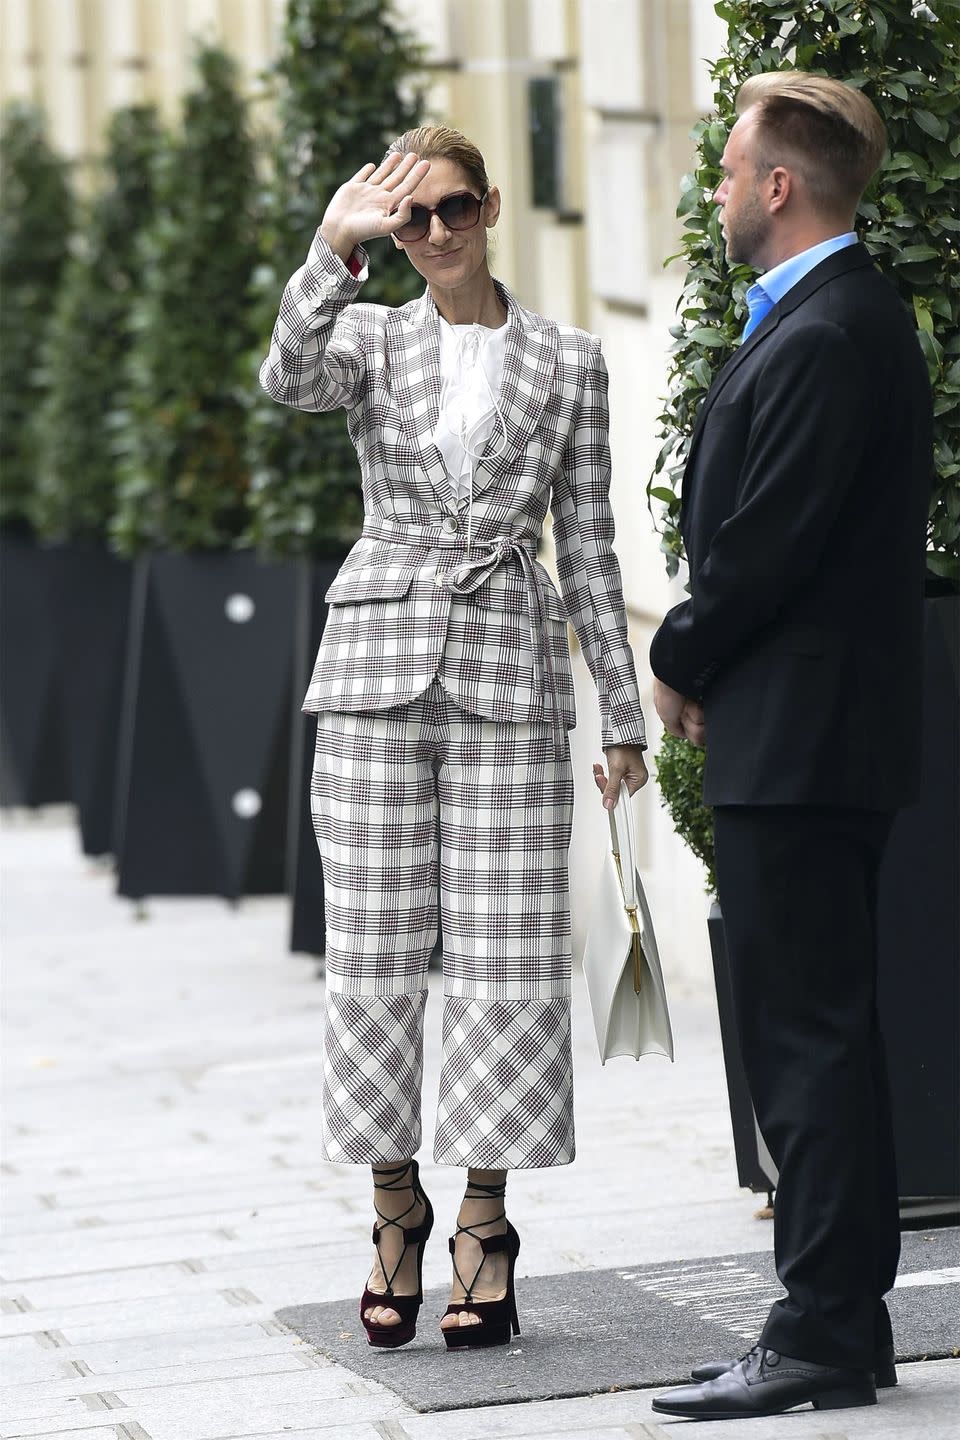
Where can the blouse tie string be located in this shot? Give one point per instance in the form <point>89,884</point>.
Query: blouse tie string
<point>466,410</point>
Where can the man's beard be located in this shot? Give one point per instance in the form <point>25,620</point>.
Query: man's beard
<point>746,239</point>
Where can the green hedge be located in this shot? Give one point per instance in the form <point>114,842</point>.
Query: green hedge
<point>36,215</point>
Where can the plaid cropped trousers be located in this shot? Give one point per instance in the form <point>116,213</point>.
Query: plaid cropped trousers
<point>425,812</point>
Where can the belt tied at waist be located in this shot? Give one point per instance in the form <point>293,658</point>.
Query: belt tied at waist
<point>478,564</point>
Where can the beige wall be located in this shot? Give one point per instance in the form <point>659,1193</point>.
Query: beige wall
<point>83,58</point>
<point>633,81</point>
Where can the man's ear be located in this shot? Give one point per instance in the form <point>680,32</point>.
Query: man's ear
<point>396,242</point>
<point>781,188</point>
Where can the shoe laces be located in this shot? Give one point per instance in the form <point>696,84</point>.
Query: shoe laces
<point>486,1192</point>
<point>397,1181</point>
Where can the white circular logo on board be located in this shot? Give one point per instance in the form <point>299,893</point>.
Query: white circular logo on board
<point>246,804</point>
<point>239,608</point>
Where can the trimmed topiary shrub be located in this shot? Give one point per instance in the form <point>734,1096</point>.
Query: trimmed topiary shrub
<point>679,767</point>
<point>89,340</point>
<point>36,214</point>
<point>184,478</point>
<point>343,90</point>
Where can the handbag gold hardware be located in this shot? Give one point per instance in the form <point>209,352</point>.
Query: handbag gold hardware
<point>636,949</point>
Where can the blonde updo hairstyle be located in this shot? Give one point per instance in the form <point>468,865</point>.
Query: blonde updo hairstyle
<point>441,142</point>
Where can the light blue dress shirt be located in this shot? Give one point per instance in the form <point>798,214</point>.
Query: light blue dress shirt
<point>770,289</point>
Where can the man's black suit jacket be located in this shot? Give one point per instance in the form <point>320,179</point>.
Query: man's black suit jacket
<point>805,501</point>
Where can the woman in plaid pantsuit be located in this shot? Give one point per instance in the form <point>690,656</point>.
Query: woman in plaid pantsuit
<point>444,694</point>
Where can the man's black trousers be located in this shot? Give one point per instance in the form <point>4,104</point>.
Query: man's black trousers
<point>798,891</point>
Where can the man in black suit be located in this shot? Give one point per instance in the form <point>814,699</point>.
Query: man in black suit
<point>797,660</point>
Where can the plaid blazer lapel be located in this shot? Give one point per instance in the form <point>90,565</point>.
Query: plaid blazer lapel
<point>529,365</point>
<point>414,347</point>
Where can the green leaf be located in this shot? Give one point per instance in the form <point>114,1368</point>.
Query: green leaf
<point>932,124</point>
<point>933,353</point>
<point>913,254</point>
<point>944,566</point>
<point>881,26</point>
<point>713,339</point>
<point>689,201</point>
<point>921,309</point>
<point>659,492</point>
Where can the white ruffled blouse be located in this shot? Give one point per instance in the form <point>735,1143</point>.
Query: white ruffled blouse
<point>471,368</point>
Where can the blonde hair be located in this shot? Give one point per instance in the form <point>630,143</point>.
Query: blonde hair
<point>441,142</point>
<point>830,132</point>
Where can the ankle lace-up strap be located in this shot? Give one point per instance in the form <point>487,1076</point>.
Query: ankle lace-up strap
<point>401,1177</point>
<point>488,1243</point>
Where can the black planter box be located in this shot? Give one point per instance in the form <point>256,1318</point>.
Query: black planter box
<point>918,987</point>
<point>919,933</point>
<point>33,763</point>
<point>204,754</point>
<point>304,876</point>
<point>755,1168</point>
<point>92,603</point>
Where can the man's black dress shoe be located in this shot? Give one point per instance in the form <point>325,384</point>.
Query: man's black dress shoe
<point>884,1369</point>
<point>765,1383</point>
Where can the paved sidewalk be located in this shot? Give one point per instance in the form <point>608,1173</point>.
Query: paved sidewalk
<point>164,1194</point>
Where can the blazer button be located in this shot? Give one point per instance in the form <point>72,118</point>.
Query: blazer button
<point>450,526</point>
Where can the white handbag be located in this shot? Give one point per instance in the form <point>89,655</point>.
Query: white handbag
<point>620,962</point>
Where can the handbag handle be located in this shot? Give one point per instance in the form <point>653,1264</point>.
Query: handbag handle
<point>624,837</point>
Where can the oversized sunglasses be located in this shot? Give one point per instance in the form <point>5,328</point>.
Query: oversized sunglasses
<point>457,212</point>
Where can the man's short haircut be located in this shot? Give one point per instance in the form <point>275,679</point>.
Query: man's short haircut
<point>826,130</point>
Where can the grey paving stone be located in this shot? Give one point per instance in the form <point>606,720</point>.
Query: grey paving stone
<point>166,1420</point>
<point>23,1361</point>
<point>151,1316</point>
<point>86,1407</point>
<point>25,1399</point>
<point>141,1282</point>
<point>183,1347</point>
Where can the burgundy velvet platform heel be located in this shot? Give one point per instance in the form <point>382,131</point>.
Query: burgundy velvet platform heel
<point>389,1337</point>
<point>498,1317</point>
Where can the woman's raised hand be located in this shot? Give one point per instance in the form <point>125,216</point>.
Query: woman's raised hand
<point>375,202</point>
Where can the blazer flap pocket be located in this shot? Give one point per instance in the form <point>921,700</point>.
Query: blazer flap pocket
<point>507,590</point>
<point>370,582</point>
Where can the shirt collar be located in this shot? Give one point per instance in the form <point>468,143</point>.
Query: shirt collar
<point>776,282</point>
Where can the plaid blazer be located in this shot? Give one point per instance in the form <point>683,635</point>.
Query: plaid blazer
<point>410,602</point>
